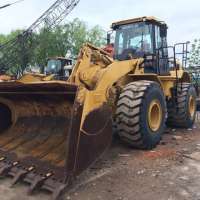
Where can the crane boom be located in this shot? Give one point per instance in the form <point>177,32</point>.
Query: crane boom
<point>54,15</point>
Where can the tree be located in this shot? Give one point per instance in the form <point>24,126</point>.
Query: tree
<point>195,54</point>
<point>50,43</point>
<point>63,38</point>
<point>15,58</point>
<point>96,36</point>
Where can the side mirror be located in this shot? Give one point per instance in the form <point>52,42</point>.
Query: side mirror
<point>163,31</point>
<point>108,38</point>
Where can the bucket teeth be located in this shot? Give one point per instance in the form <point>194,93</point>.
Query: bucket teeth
<point>57,195</point>
<point>4,170</point>
<point>6,167</point>
<point>21,174</point>
<point>38,182</point>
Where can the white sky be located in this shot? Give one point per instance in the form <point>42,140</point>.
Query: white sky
<point>182,16</point>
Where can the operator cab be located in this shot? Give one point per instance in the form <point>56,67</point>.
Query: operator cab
<point>60,67</point>
<point>142,38</point>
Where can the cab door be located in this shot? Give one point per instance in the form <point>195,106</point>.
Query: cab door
<point>161,52</point>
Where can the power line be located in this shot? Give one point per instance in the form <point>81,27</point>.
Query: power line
<point>10,4</point>
<point>5,6</point>
<point>18,1</point>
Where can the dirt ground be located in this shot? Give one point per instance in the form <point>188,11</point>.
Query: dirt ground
<point>169,172</point>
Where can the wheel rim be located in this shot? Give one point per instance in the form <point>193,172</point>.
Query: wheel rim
<point>154,115</point>
<point>192,106</point>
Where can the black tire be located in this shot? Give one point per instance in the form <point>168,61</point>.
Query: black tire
<point>179,109</point>
<point>131,115</point>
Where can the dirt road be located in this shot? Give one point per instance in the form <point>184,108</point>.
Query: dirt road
<point>169,172</point>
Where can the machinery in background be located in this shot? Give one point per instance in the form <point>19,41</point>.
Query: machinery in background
<point>59,67</point>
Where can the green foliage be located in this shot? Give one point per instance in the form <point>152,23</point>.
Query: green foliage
<point>49,43</point>
<point>195,54</point>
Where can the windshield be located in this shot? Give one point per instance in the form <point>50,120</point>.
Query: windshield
<point>134,38</point>
<point>53,67</point>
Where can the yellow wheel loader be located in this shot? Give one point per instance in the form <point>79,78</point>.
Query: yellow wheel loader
<point>51,131</point>
<point>58,68</point>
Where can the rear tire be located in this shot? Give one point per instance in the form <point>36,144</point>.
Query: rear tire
<point>182,112</point>
<point>140,114</point>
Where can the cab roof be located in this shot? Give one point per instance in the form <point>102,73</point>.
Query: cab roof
<point>136,20</point>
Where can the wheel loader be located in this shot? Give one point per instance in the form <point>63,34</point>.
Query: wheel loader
<point>58,68</point>
<point>51,131</point>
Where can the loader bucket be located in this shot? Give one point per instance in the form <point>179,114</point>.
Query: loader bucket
<point>42,141</point>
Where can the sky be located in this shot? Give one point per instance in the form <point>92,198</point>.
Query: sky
<point>182,16</point>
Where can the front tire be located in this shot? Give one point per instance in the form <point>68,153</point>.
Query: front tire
<point>140,114</point>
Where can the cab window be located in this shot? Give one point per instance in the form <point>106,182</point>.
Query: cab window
<point>135,37</point>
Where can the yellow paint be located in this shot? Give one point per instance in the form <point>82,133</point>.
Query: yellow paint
<point>155,115</point>
<point>30,78</point>
<point>192,106</point>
